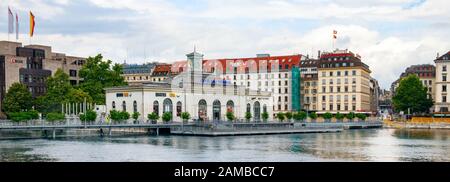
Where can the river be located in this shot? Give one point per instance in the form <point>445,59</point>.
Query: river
<point>350,145</point>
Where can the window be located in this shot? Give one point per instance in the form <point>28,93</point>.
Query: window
<point>338,73</point>
<point>124,106</point>
<point>346,73</point>
<point>444,88</point>
<point>331,73</point>
<point>444,68</point>
<point>331,89</point>
<point>179,108</point>
<point>354,73</point>
<point>156,107</point>
<point>444,78</point>
<point>331,81</point>
<point>135,106</point>
<point>324,74</point>
<point>114,105</point>
<point>354,98</point>
<point>324,98</point>
<point>354,80</point>
<point>444,99</point>
<point>324,82</point>
<point>324,89</point>
<point>73,73</point>
<point>285,99</point>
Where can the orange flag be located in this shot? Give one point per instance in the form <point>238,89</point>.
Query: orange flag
<point>32,24</point>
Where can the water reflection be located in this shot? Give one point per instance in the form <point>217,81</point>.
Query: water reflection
<point>356,145</point>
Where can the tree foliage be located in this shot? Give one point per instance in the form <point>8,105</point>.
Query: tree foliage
<point>17,99</point>
<point>313,115</point>
<point>339,116</point>
<point>327,116</point>
<point>185,116</point>
<point>281,116</point>
<point>152,116</point>
<point>167,116</point>
<point>411,94</point>
<point>54,116</point>
<point>300,116</point>
<point>230,116</point>
<point>248,116</point>
<point>23,116</point>
<point>89,116</point>
<point>350,116</point>
<point>265,116</point>
<point>99,74</point>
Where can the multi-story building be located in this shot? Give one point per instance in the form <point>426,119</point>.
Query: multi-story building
<point>309,84</point>
<point>161,72</point>
<point>442,103</point>
<point>374,96</point>
<point>279,75</point>
<point>138,74</point>
<point>426,74</point>
<point>344,83</point>
<point>32,64</point>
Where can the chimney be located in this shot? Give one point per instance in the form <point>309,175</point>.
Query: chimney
<point>318,56</point>
<point>437,56</point>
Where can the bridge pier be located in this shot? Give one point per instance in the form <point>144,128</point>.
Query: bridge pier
<point>110,131</point>
<point>54,134</point>
<point>157,131</point>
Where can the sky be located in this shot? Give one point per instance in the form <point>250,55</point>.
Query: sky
<point>390,35</point>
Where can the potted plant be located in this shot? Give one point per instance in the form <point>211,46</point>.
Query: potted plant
<point>153,117</point>
<point>350,116</point>
<point>167,116</point>
<point>248,116</point>
<point>288,116</point>
<point>281,116</point>
<point>339,117</point>
<point>230,116</point>
<point>136,116</point>
<point>185,116</point>
<point>327,116</point>
<point>265,116</point>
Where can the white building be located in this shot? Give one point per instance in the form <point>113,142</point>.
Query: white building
<point>442,102</point>
<point>191,91</point>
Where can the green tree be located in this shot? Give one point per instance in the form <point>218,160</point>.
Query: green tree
<point>411,94</point>
<point>89,116</point>
<point>55,116</point>
<point>230,116</point>
<point>167,116</point>
<point>136,115</point>
<point>23,116</point>
<point>265,116</point>
<point>248,116</point>
<point>185,116</point>
<point>327,116</point>
<point>288,116</point>
<point>17,99</point>
<point>78,96</point>
<point>99,74</point>
<point>281,116</point>
<point>300,116</point>
<point>58,89</point>
<point>313,116</point>
<point>361,117</point>
<point>119,116</point>
<point>153,117</point>
<point>339,116</point>
<point>350,116</point>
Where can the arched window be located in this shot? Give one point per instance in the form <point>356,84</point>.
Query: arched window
<point>156,107</point>
<point>135,109</point>
<point>216,110</point>
<point>167,106</point>
<point>179,108</point>
<point>202,110</point>
<point>114,105</point>
<point>230,106</point>
<point>249,108</point>
<point>257,111</point>
<point>124,106</point>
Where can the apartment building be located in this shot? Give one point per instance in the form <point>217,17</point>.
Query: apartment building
<point>426,74</point>
<point>344,83</point>
<point>442,104</point>
<point>138,74</point>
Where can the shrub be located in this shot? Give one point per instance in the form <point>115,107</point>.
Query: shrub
<point>167,117</point>
<point>153,116</point>
<point>89,116</point>
<point>362,117</point>
<point>248,116</point>
<point>119,116</point>
<point>327,116</point>
<point>339,116</point>
<point>300,116</point>
<point>230,116</point>
<point>124,116</point>
<point>136,115</point>
<point>23,116</point>
<point>185,116</point>
<point>313,116</point>
<point>265,116</point>
<point>281,116</point>
<point>53,116</point>
<point>288,116</point>
<point>350,116</point>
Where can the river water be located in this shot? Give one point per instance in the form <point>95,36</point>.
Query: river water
<point>351,145</point>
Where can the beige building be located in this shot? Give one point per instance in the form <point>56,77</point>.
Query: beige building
<point>344,83</point>
<point>135,74</point>
<point>32,65</point>
<point>442,103</point>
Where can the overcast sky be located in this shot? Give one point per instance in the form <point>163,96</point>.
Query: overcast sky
<point>389,34</point>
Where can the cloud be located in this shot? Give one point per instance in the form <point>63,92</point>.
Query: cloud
<point>390,35</point>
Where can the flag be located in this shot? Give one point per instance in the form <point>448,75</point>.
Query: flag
<point>335,34</point>
<point>17,27</point>
<point>32,24</point>
<point>10,21</point>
